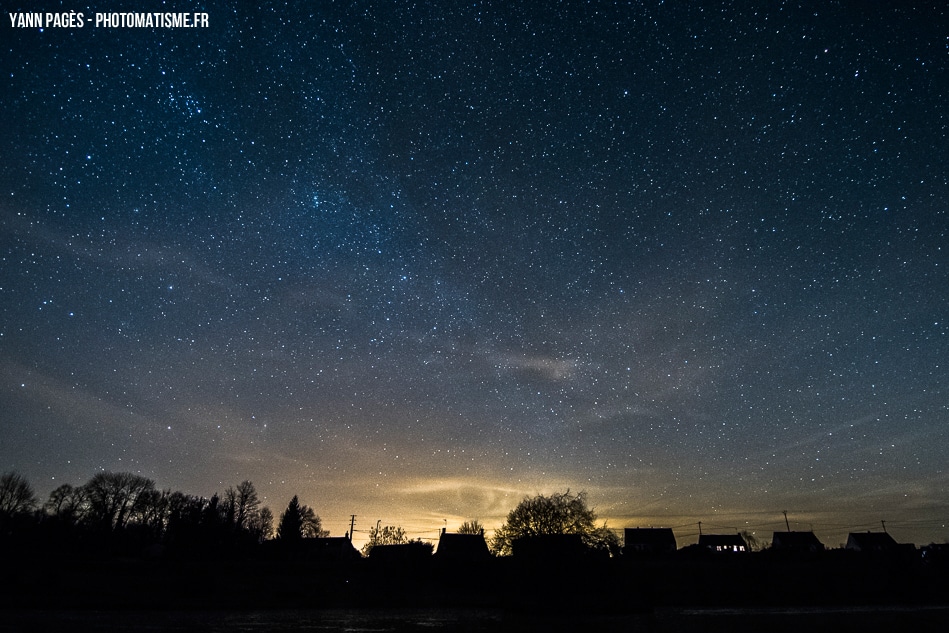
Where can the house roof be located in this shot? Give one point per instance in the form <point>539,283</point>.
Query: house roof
<point>871,541</point>
<point>722,540</point>
<point>466,546</point>
<point>661,537</point>
<point>796,540</point>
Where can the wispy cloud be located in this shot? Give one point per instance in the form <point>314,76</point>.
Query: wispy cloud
<point>547,367</point>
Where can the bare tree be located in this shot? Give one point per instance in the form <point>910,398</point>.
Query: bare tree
<point>384,535</point>
<point>471,527</point>
<point>152,509</point>
<point>754,545</point>
<point>16,495</point>
<point>187,525</point>
<point>67,503</point>
<point>113,498</point>
<point>260,525</point>
<point>247,504</point>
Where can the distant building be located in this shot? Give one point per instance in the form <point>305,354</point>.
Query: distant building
<point>648,541</point>
<point>723,543</point>
<point>935,553</point>
<point>871,542</point>
<point>796,542</point>
<point>466,548</point>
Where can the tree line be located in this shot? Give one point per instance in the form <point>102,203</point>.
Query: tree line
<point>125,511</point>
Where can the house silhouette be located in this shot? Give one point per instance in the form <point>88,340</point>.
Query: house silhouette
<point>466,548</point>
<point>871,542</point>
<point>796,542</point>
<point>723,543</point>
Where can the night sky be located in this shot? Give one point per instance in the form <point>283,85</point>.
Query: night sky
<point>415,261</point>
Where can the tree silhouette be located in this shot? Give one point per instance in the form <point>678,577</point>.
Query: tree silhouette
<point>425,547</point>
<point>241,504</point>
<point>260,525</point>
<point>384,535</point>
<point>17,503</point>
<point>471,527</point>
<point>195,525</point>
<point>115,498</point>
<point>291,522</point>
<point>559,513</point>
<point>16,495</point>
<point>754,545</point>
<point>67,504</point>
<point>299,521</point>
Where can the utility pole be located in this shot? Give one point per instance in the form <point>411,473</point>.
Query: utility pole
<point>700,528</point>
<point>786,520</point>
<point>884,526</point>
<point>352,526</point>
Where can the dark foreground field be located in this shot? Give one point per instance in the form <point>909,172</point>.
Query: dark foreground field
<point>773,620</point>
<point>749,593</point>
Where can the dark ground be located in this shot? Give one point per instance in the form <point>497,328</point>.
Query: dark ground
<point>835,591</point>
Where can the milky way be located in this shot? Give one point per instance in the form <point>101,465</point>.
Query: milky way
<point>414,261</point>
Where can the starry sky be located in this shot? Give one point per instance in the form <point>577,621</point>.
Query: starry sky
<point>413,261</point>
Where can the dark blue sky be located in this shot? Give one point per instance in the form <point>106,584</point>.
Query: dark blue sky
<point>416,261</point>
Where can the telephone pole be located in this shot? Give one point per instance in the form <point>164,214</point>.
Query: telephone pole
<point>786,520</point>
<point>352,526</point>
